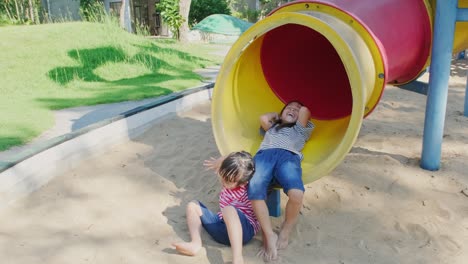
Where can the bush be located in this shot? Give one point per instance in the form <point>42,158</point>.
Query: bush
<point>19,12</point>
<point>93,11</point>
<point>4,20</point>
<point>169,10</point>
<point>203,8</point>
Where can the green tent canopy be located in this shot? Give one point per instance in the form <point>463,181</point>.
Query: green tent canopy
<point>222,24</point>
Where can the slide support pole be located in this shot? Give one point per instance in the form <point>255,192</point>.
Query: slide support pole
<point>466,96</point>
<point>444,30</point>
<point>274,203</point>
<point>462,15</point>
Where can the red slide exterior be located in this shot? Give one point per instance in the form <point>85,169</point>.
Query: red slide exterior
<point>295,56</point>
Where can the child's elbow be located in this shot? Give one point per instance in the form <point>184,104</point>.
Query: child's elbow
<point>304,111</point>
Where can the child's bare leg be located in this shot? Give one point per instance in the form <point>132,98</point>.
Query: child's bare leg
<point>293,207</point>
<point>270,238</point>
<point>194,224</point>
<point>234,228</point>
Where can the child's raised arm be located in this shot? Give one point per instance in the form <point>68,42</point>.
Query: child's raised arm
<point>304,116</point>
<point>268,120</point>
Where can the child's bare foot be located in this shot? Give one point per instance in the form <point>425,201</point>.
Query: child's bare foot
<point>283,240</point>
<point>187,248</point>
<point>268,251</point>
<point>238,261</point>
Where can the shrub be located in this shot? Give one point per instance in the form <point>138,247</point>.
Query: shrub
<point>92,10</point>
<point>169,10</point>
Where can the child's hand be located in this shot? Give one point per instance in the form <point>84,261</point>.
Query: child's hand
<point>275,118</point>
<point>268,120</point>
<point>213,164</point>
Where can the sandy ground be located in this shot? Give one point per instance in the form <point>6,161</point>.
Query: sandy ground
<point>377,206</point>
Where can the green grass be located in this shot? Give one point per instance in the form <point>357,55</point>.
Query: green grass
<point>55,66</point>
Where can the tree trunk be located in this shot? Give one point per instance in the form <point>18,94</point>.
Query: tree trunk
<point>125,16</point>
<point>7,9</point>
<point>23,14</point>
<point>184,10</point>
<point>31,11</point>
<point>18,15</point>
<point>252,4</point>
<point>122,13</point>
<point>252,13</point>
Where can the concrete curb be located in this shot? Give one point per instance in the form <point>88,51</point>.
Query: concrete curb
<point>57,155</point>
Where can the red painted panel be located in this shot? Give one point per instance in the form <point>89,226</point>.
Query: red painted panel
<point>301,64</point>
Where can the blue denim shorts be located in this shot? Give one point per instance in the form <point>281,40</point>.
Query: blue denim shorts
<point>275,166</point>
<point>217,227</point>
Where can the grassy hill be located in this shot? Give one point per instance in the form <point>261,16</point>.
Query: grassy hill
<point>55,66</point>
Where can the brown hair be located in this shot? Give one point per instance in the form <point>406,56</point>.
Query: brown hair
<point>237,167</point>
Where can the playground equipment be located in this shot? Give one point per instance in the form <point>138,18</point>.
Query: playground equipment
<point>336,57</point>
<point>447,14</point>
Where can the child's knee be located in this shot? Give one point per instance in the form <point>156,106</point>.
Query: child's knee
<point>295,196</point>
<point>193,203</point>
<point>257,189</point>
<point>229,212</point>
<point>194,206</point>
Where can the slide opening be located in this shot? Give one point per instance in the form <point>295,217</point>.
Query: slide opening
<point>269,67</point>
<point>301,64</point>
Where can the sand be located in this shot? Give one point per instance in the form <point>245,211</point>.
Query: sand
<point>377,206</point>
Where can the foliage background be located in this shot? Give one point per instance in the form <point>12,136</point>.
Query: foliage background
<point>203,8</point>
<point>21,12</point>
<point>169,10</point>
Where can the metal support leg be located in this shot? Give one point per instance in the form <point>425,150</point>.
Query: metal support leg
<point>466,96</point>
<point>444,29</point>
<point>274,203</point>
<point>462,15</point>
<point>461,55</point>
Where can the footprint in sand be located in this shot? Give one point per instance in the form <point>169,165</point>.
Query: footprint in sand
<point>419,237</point>
<point>449,244</point>
<point>419,233</point>
<point>423,239</point>
<point>437,209</point>
<point>331,199</point>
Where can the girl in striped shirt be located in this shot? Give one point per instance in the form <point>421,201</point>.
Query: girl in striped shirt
<point>278,161</point>
<point>236,223</point>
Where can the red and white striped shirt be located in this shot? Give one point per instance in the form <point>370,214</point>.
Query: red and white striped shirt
<point>237,198</point>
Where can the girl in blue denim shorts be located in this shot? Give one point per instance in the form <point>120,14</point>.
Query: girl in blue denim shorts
<point>236,223</point>
<point>278,160</point>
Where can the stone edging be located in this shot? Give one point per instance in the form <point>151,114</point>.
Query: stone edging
<point>58,155</point>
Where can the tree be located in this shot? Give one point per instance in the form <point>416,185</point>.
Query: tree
<point>253,10</point>
<point>20,11</point>
<point>169,10</point>
<point>5,6</point>
<point>122,13</point>
<point>184,9</point>
<point>203,8</point>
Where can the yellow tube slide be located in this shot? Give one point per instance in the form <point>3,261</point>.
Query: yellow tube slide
<point>242,93</point>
